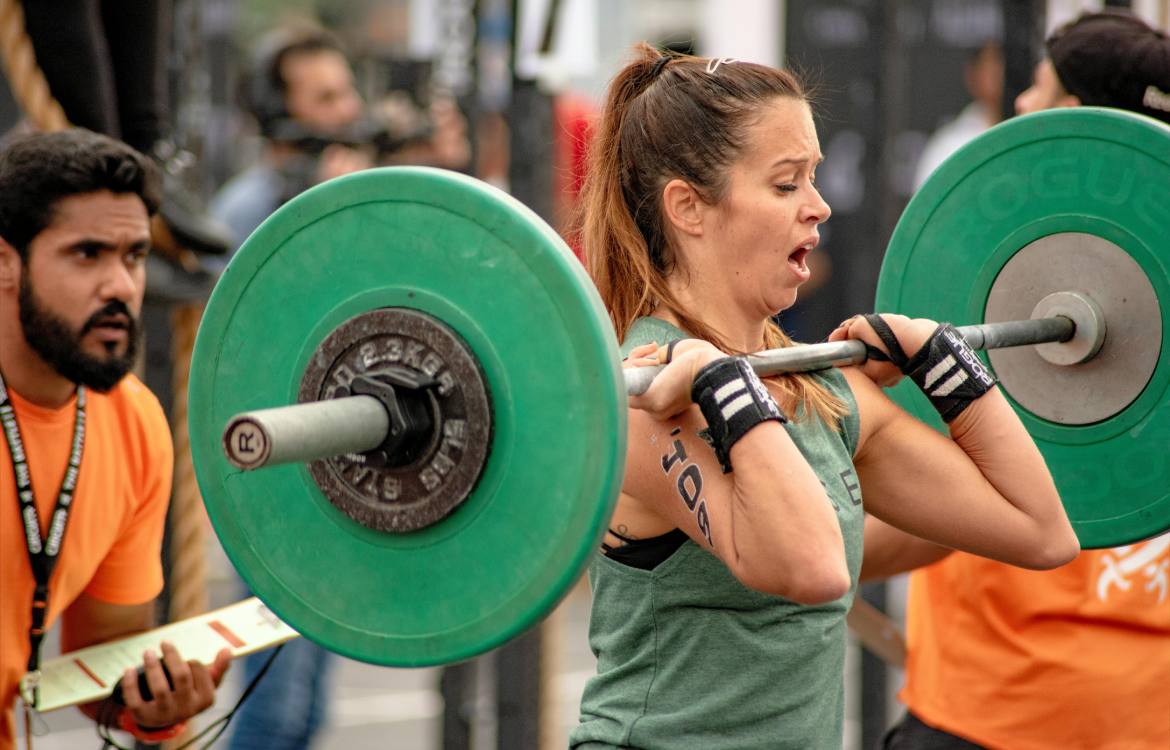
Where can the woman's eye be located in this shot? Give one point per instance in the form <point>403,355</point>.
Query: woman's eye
<point>786,188</point>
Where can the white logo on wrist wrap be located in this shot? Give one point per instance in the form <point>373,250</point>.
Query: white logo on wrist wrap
<point>734,397</point>
<point>957,373</point>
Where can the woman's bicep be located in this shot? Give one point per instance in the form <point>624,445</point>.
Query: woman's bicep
<point>922,482</point>
<point>769,520</point>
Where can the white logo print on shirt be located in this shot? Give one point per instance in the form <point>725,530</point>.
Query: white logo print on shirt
<point>1149,559</point>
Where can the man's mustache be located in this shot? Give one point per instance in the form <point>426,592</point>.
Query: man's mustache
<point>113,313</point>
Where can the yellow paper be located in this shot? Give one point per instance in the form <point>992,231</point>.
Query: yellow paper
<point>90,674</point>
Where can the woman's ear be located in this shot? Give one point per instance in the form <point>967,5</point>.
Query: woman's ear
<point>683,207</point>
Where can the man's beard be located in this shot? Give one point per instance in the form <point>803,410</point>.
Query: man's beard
<point>50,337</point>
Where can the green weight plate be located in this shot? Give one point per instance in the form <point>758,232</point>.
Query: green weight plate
<point>1090,172</point>
<point>489,269</point>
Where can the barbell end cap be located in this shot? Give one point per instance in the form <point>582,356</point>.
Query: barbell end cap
<point>246,443</point>
<point>1089,327</point>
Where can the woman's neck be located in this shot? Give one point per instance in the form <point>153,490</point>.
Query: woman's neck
<point>738,330</point>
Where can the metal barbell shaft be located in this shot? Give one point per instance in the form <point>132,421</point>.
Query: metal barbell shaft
<point>305,432</point>
<point>840,353</point>
<point>354,424</point>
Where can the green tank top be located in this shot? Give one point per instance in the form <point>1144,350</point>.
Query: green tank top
<point>688,657</point>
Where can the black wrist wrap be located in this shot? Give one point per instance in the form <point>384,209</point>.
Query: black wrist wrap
<point>732,398</point>
<point>948,372</point>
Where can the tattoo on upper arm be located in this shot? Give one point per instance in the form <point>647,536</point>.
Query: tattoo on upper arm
<point>678,454</point>
<point>689,484</point>
<point>704,522</point>
<point>690,497</point>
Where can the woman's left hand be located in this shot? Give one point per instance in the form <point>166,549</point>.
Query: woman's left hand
<point>911,333</point>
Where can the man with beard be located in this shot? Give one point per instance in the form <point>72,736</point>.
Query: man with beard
<point>85,466</point>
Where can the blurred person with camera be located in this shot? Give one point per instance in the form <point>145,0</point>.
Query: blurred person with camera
<point>316,127</point>
<point>301,92</point>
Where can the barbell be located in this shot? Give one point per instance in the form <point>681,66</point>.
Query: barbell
<point>408,415</point>
<point>390,411</point>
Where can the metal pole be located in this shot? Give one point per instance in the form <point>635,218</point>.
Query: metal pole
<point>1023,46</point>
<point>305,432</point>
<point>518,703</point>
<point>457,686</point>
<point>354,424</point>
<point>852,352</point>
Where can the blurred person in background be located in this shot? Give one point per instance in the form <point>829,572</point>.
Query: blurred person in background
<point>1073,658</point>
<point>316,126</point>
<point>301,92</point>
<point>983,79</point>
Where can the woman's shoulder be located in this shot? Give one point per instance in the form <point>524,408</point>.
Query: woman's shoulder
<point>649,329</point>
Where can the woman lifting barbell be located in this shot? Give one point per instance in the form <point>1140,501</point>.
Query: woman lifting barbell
<point>732,558</point>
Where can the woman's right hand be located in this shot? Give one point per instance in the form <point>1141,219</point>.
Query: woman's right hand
<point>670,392</point>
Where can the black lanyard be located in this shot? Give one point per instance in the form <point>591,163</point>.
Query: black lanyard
<point>42,553</point>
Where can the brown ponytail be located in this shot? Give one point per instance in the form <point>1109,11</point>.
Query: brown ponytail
<point>672,116</point>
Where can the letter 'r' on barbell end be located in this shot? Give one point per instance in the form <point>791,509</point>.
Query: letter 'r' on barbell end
<point>245,443</point>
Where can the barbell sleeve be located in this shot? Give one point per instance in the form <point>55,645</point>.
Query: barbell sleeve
<point>305,432</point>
<point>355,424</point>
<point>810,357</point>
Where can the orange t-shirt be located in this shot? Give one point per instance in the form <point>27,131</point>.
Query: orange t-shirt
<point>114,534</point>
<point>1076,658</point>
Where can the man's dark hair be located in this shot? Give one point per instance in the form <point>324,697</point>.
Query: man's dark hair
<point>1114,59</point>
<point>37,171</point>
<point>268,88</point>
<point>299,42</point>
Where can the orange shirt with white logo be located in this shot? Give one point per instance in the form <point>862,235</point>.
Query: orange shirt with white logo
<point>114,535</point>
<point>1076,658</point>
